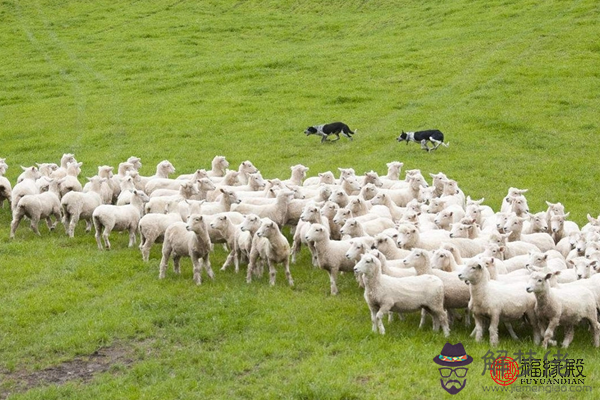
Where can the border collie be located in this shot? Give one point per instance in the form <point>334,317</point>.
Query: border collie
<point>434,136</point>
<point>325,130</point>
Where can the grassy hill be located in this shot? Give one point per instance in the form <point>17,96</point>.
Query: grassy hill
<point>514,85</point>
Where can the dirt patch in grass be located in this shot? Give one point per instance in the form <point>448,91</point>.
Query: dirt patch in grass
<point>81,368</point>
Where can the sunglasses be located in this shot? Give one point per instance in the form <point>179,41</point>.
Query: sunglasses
<point>459,372</point>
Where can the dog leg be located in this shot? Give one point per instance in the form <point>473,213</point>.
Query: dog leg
<point>424,145</point>
<point>338,137</point>
<point>323,138</point>
<point>436,144</point>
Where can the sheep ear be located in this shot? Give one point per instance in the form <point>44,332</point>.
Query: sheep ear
<point>567,214</point>
<point>594,264</point>
<point>549,275</point>
<point>570,262</point>
<point>545,256</point>
<point>23,168</point>
<point>222,190</point>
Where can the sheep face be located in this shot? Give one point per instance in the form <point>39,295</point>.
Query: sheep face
<point>250,223</point>
<point>196,224</point>
<point>367,265</point>
<point>310,213</point>
<point>441,259</point>
<point>585,268</point>
<point>473,272</point>
<point>316,233</point>
<point>416,258</point>
<point>327,178</point>
<point>267,229</point>
<point>539,282</point>
<point>356,250</point>
<point>536,259</point>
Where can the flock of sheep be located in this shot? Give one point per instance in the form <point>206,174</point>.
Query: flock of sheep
<point>412,246</point>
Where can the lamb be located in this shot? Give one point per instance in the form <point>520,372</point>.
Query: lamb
<point>81,205</point>
<point>514,227</point>
<point>409,237</point>
<point>449,215</point>
<point>163,169</point>
<point>46,169</point>
<point>511,249</point>
<point>246,168</point>
<point>25,186</point>
<point>153,226</point>
<point>310,215</point>
<point>372,178</point>
<point>496,300</point>
<point>452,195</point>
<point>385,294</point>
<point>383,199</point>
<point>456,293</point>
<point>276,212</point>
<point>326,178</point>
<point>356,228</point>
<point>271,246</point>
<point>187,191</point>
<point>227,200</point>
<point>537,223</point>
<point>567,306</point>
<point>120,218</point>
<point>542,262</point>
<point>172,184</point>
<point>187,240</point>
<point>329,211</point>
<point>107,191</point>
<point>401,197</point>
<point>243,241</point>
<point>330,253</point>
<point>219,167</point>
<point>127,187</point>
<point>37,207</point>
<point>560,227</point>
<point>5,186</point>
<point>70,182</point>
<point>298,175</point>
<point>386,245</point>
<point>64,163</point>
<point>358,207</point>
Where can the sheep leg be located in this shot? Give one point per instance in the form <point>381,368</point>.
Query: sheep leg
<point>373,310</point>
<point>97,236</point>
<point>49,224</point>
<point>208,267</point>
<point>511,331</point>
<point>272,272</point>
<point>423,318</point>
<point>35,220</point>
<point>332,281</point>
<point>313,254</point>
<point>177,264</point>
<point>166,253</point>
<point>231,258</point>
<point>105,237</point>
<point>14,225</point>
<point>440,317</point>
<point>145,248</point>
<point>596,328</point>
<point>197,265</point>
<point>569,333</point>
<point>251,264</point>
<point>132,238</point>
<point>288,274</point>
<point>88,226</point>
<point>549,333</point>
<point>73,224</point>
<point>494,321</point>
<point>478,328</point>
<point>296,246</point>
<point>384,309</point>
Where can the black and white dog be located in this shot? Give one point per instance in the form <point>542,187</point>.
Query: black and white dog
<point>334,128</point>
<point>435,136</point>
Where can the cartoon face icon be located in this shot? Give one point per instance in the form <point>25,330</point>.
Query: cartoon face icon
<point>452,360</point>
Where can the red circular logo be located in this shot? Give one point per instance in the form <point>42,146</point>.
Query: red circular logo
<point>504,371</point>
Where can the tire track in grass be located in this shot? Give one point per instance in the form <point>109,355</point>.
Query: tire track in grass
<point>87,73</point>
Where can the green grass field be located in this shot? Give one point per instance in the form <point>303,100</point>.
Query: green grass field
<point>514,85</point>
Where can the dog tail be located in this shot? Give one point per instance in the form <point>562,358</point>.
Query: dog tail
<point>352,133</point>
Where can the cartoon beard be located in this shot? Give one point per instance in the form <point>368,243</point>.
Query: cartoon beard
<point>450,385</point>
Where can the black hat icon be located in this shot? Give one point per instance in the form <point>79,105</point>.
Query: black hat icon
<point>453,355</point>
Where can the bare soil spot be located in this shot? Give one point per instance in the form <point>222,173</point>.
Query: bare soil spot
<point>81,368</point>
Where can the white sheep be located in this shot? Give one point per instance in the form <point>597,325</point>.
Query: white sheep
<point>276,212</point>
<point>46,169</point>
<point>163,170</point>
<point>228,198</point>
<point>5,186</point>
<point>298,175</point>
<point>172,184</point>
<point>25,186</point>
<point>566,306</point>
<point>383,199</point>
<point>81,205</point>
<point>187,191</point>
<point>187,240</point>
<point>496,300</point>
<point>560,227</point>
<point>219,167</point>
<point>37,207</point>
<point>385,294</point>
<point>243,241</point>
<point>272,247</point>
<point>310,215</point>
<point>409,237</point>
<point>514,227</point>
<point>386,245</point>
<point>355,228</point>
<point>61,172</point>
<point>322,178</point>
<point>246,168</point>
<point>70,182</point>
<point>152,227</point>
<point>120,218</point>
<point>330,253</point>
<point>329,211</point>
